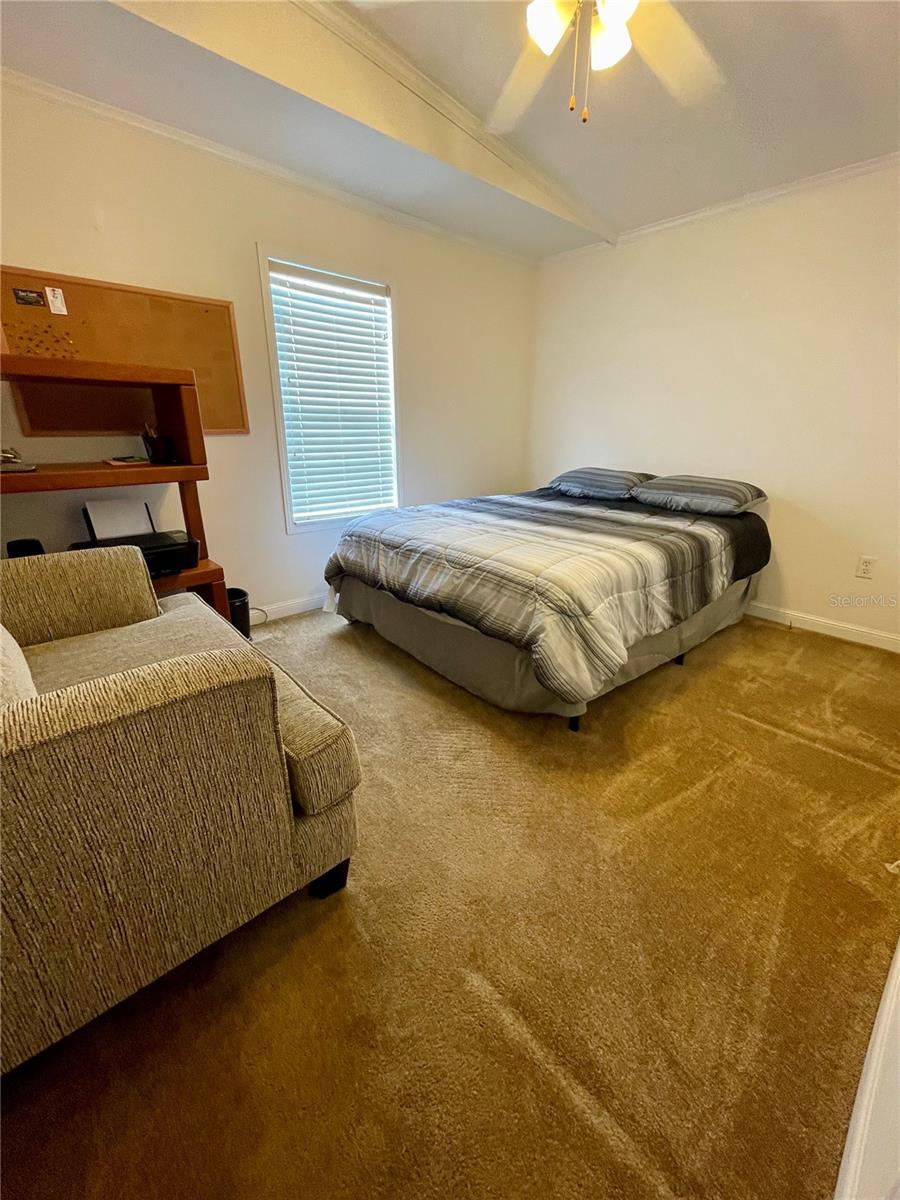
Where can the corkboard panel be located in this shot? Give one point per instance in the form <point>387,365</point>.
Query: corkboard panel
<point>114,322</point>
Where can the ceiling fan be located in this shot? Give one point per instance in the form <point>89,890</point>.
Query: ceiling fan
<point>661,36</point>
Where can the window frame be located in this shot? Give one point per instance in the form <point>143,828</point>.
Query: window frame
<point>269,259</point>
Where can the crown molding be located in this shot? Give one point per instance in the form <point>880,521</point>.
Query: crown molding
<point>749,200</point>
<point>259,166</point>
<point>389,58</point>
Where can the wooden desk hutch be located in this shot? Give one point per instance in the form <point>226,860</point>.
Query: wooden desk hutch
<point>177,414</point>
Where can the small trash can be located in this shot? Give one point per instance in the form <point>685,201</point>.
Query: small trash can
<point>239,610</point>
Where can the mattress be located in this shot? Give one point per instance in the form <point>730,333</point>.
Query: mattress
<point>575,584</point>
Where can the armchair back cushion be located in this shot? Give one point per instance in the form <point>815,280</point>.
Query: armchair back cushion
<point>322,762</point>
<point>52,596</point>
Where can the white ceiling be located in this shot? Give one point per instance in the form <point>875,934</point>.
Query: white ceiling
<point>810,86</point>
<point>102,52</point>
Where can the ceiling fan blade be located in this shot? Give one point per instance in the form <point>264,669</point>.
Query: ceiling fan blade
<point>675,54</point>
<point>524,82</point>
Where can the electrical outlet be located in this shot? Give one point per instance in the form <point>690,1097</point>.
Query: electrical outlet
<point>865,567</point>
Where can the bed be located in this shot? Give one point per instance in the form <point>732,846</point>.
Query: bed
<point>541,602</point>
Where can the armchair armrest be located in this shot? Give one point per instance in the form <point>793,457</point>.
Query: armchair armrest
<point>145,815</point>
<point>150,695</point>
<point>51,596</point>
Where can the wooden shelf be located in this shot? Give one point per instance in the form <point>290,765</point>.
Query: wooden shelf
<point>61,477</point>
<point>205,572</point>
<point>177,423</point>
<point>18,368</point>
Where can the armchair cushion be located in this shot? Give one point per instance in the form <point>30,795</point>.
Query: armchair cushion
<point>51,596</point>
<point>323,766</point>
<point>15,677</point>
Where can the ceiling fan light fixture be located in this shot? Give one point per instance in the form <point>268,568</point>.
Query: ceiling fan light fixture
<point>616,12</point>
<point>547,21</point>
<point>609,43</point>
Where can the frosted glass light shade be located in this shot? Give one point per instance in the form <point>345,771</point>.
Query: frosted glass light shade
<point>547,21</point>
<point>609,44</point>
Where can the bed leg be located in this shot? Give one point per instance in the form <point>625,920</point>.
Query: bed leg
<point>679,658</point>
<point>574,724</point>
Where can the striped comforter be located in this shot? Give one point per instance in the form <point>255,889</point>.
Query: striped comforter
<point>575,583</point>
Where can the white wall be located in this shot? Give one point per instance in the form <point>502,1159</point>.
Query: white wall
<point>760,344</point>
<point>87,195</point>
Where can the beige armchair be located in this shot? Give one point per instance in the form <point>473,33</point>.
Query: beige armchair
<point>163,783</point>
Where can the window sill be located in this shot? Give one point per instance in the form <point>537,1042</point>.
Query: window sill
<point>320,523</point>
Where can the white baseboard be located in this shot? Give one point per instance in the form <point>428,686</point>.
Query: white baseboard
<point>835,629</point>
<point>286,608</point>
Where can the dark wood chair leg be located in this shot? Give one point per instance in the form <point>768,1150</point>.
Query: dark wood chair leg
<point>332,881</point>
<point>574,724</point>
<point>679,658</point>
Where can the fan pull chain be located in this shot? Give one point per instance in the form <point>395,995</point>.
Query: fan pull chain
<point>572,100</point>
<point>585,112</point>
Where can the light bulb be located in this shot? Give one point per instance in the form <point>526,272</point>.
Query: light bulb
<point>547,21</point>
<point>616,12</point>
<point>609,44</point>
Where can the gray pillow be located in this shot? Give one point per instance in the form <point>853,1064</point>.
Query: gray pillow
<point>597,483</point>
<point>699,494</point>
<point>15,677</point>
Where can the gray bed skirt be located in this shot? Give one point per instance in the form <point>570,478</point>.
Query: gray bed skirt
<point>502,673</point>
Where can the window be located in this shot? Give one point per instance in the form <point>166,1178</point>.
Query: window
<point>333,348</point>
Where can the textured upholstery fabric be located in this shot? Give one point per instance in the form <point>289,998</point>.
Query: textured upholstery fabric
<point>323,765</point>
<point>187,627</point>
<point>147,805</point>
<point>322,762</point>
<point>323,840</point>
<point>50,596</point>
<point>15,678</point>
<point>126,846</point>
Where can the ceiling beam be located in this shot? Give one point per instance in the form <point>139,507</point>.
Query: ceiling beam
<point>324,53</point>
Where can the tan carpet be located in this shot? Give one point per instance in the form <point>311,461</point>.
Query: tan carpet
<point>638,962</point>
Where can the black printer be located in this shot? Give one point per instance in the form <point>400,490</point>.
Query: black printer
<point>165,553</point>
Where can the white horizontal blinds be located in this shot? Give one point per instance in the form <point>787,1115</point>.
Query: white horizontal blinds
<point>333,339</point>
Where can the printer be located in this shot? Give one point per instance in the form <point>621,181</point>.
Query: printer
<point>130,523</point>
